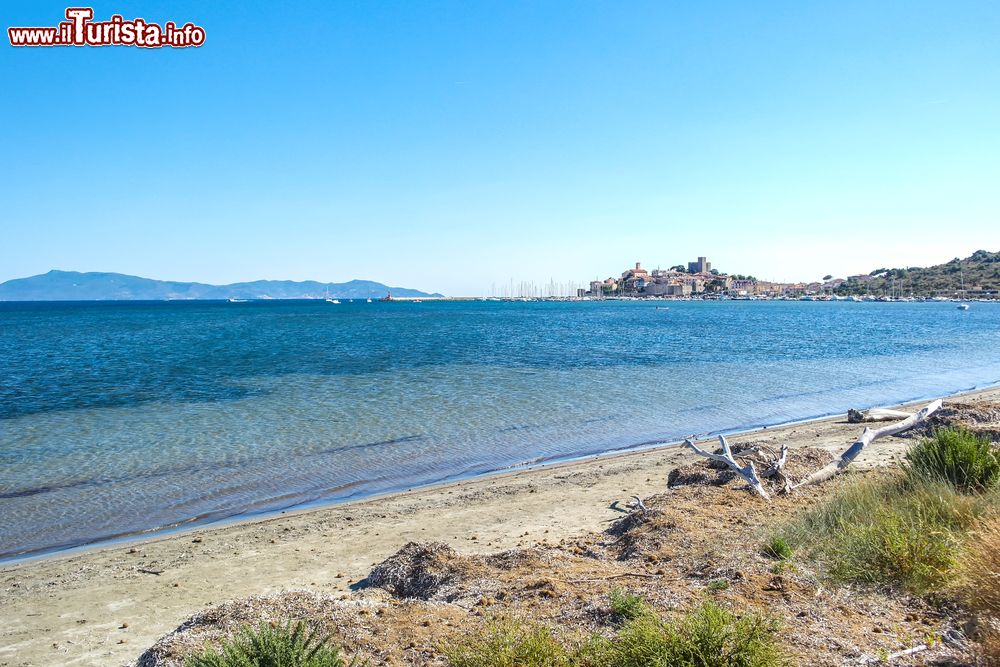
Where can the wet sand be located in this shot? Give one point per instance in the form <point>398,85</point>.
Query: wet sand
<point>105,606</point>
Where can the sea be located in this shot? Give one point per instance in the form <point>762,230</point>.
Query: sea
<point>122,419</point>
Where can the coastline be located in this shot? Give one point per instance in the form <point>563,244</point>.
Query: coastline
<point>196,524</point>
<point>106,604</point>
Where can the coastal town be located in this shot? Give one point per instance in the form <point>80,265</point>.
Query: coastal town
<point>698,279</point>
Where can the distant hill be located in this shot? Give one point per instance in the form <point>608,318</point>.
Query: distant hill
<point>980,272</point>
<point>76,286</point>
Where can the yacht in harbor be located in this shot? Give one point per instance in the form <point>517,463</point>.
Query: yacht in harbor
<point>961,277</point>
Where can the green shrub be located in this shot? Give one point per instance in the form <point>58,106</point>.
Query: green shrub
<point>266,646</point>
<point>898,531</point>
<point>718,585</point>
<point>957,456</point>
<point>709,636</point>
<point>778,548</point>
<point>625,606</point>
<point>509,642</point>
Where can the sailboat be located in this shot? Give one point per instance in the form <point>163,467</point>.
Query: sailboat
<point>961,276</point>
<point>328,299</point>
<point>369,295</point>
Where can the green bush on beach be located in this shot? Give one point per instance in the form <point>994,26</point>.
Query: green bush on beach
<point>708,636</point>
<point>267,646</point>
<point>892,530</point>
<point>969,462</point>
<point>510,642</point>
<point>625,606</point>
<point>778,548</point>
<point>905,529</point>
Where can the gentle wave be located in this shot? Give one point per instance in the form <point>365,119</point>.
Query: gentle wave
<point>122,420</point>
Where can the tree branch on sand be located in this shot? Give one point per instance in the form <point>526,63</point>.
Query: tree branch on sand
<point>747,472</point>
<point>774,464</point>
<point>867,437</point>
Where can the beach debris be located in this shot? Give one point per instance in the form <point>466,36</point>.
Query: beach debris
<point>210,626</point>
<point>881,660</point>
<point>638,504</point>
<point>418,570</point>
<point>743,462</point>
<point>748,472</point>
<point>980,417</point>
<point>867,437</point>
<point>610,577</point>
<point>875,415</point>
<point>147,571</point>
<point>632,536</point>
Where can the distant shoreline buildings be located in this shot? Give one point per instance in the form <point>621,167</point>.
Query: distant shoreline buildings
<point>698,278</point>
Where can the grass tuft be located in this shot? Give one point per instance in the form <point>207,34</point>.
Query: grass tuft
<point>778,548</point>
<point>625,606</point>
<point>901,531</point>
<point>979,588</point>
<point>267,646</point>
<point>979,566</point>
<point>955,455</point>
<point>510,642</point>
<point>709,636</point>
<point>718,585</point>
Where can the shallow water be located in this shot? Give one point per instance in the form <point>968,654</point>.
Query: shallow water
<point>120,418</point>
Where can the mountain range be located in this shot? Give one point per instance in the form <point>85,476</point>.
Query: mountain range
<point>93,286</point>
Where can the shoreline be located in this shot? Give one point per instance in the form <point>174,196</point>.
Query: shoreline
<point>106,604</point>
<point>249,517</point>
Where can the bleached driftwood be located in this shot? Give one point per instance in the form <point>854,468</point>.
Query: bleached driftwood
<point>778,465</point>
<point>777,469</point>
<point>875,415</point>
<point>747,472</point>
<point>867,437</point>
<point>873,660</point>
<point>885,414</point>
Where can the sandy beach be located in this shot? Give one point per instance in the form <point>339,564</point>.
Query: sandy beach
<point>106,605</point>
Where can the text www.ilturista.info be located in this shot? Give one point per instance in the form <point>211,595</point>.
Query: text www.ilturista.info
<point>80,30</point>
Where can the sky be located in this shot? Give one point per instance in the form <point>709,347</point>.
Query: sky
<point>456,146</point>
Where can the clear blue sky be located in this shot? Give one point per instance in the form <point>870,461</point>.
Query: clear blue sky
<point>448,146</point>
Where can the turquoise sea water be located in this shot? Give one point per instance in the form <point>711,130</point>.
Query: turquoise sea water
<point>122,418</point>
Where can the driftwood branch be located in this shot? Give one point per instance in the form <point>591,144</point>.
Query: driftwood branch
<point>747,472</point>
<point>777,469</point>
<point>872,660</point>
<point>638,504</point>
<point>867,437</point>
<point>875,415</point>
<point>779,465</point>
<point>641,575</point>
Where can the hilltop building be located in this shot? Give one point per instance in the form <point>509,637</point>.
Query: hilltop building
<point>701,266</point>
